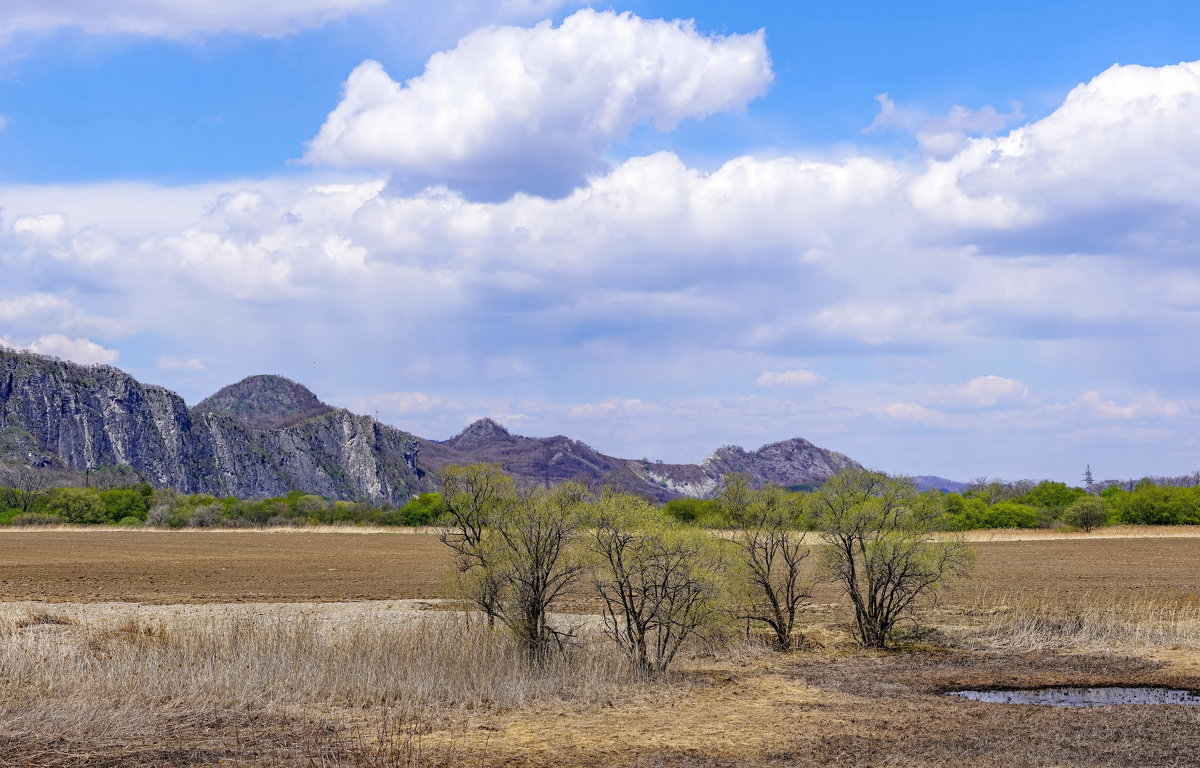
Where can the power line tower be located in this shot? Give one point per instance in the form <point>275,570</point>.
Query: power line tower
<point>1089,482</point>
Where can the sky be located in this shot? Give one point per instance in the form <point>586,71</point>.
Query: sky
<point>939,239</point>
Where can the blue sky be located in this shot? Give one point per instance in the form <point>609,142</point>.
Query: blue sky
<point>941,239</point>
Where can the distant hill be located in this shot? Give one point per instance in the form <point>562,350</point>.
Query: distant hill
<point>267,435</point>
<point>935,483</point>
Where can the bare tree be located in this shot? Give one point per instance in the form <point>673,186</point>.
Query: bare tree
<point>995,490</point>
<point>659,582</point>
<point>23,486</point>
<point>878,547</point>
<point>114,477</point>
<point>768,530</point>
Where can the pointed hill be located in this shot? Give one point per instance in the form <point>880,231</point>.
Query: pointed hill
<point>265,402</point>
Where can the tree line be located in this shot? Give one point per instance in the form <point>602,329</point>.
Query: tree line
<point>118,496</point>
<point>1049,504</point>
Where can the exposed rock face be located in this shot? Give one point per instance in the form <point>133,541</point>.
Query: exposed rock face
<point>553,459</point>
<point>93,416</point>
<point>790,462</point>
<point>265,402</point>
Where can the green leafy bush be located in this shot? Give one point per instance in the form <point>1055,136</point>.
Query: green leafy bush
<point>82,506</point>
<point>1150,504</point>
<point>704,512</point>
<point>965,514</point>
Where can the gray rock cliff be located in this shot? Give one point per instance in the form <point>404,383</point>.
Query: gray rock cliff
<point>255,445</point>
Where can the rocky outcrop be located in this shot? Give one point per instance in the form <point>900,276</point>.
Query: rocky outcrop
<point>93,416</point>
<point>787,463</point>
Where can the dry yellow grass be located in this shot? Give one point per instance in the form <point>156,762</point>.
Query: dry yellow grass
<point>1104,621</point>
<point>1110,532</point>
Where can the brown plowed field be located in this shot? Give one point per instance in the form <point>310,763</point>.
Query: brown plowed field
<point>217,566</point>
<point>236,566</point>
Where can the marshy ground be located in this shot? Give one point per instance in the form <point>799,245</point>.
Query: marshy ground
<point>141,648</point>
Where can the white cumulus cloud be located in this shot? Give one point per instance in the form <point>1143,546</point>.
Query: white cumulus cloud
<point>400,403</point>
<point>1119,158</point>
<point>915,413</point>
<point>1146,405</point>
<point>533,109</point>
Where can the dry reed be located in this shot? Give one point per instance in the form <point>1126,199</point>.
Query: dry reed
<point>138,683</point>
<point>1099,621</point>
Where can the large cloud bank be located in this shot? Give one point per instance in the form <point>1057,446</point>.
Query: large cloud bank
<point>534,109</point>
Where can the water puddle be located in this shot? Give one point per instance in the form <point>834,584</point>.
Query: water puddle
<point>1084,697</point>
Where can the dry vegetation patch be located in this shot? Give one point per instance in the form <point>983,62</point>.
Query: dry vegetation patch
<point>383,684</point>
<point>138,686</point>
<point>862,710</point>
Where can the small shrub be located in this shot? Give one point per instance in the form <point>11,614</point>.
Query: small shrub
<point>1087,513</point>
<point>205,516</point>
<point>163,516</point>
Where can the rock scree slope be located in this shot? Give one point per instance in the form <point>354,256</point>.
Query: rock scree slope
<point>267,435</point>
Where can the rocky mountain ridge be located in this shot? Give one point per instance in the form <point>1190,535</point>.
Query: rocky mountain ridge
<point>792,463</point>
<point>267,435</point>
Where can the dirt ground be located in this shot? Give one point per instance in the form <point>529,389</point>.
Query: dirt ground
<point>856,710</point>
<point>160,567</point>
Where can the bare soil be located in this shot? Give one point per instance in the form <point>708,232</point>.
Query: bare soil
<point>160,567</point>
<point>164,567</point>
